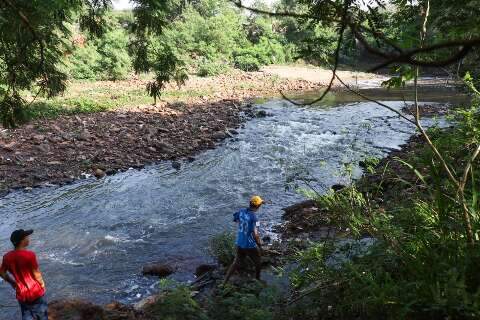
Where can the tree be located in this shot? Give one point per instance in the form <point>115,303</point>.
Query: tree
<point>151,53</point>
<point>32,43</point>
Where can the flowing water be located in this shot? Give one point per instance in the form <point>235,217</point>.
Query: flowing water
<point>93,237</point>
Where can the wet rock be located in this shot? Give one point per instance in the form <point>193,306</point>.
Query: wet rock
<point>99,173</point>
<point>337,187</point>
<point>74,310</point>
<point>204,268</point>
<point>267,239</point>
<point>140,305</point>
<point>233,131</point>
<point>299,206</point>
<point>261,114</point>
<point>176,165</point>
<point>190,159</point>
<point>158,269</point>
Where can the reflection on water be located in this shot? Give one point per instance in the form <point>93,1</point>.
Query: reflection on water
<point>93,237</point>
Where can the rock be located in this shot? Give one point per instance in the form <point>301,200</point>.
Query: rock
<point>299,206</point>
<point>190,159</point>
<point>157,269</point>
<point>74,310</point>
<point>204,268</point>
<point>45,148</point>
<point>38,137</point>
<point>219,135</point>
<point>337,187</point>
<point>176,165</point>
<point>84,136</point>
<point>99,173</point>
<point>9,146</point>
<point>81,310</point>
<point>140,305</point>
<point>164,147</point>
<point>232,131</point>
<point>261,114</point>
<point>267,239</point>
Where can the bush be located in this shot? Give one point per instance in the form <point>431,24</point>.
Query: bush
<point>420,265</point>
<point>114,61</point>
<point>222,247</point>
<point>83,63</point>
<point>207,68</point>
<point>247,63</point>
<point>103,58</point>
<point>249,302</point>
<point>175,305</point>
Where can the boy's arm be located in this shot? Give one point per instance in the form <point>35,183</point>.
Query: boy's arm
<point>36,271</point>
<point>38,276</point>
<point>256,236</point>
<point>7,277</point>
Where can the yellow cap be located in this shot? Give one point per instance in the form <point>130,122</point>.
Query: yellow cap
<point>256,201</point>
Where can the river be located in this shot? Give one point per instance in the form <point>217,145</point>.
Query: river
<point>92,237</point>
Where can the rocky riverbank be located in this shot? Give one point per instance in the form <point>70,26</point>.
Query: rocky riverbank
<point>307,221</point>
<point>69,147</point>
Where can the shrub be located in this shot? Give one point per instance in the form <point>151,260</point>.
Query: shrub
<point>207,68</point>
<point>114,61</point>
<point>222,247</point>
<point>249,302</point>
<point>177,304</point>
<point>102,58</point>
<point>83,63</point>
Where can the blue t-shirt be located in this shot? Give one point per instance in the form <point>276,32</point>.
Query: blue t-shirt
<point>246,225</point>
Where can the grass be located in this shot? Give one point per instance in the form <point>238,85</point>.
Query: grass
<point>98,96</point>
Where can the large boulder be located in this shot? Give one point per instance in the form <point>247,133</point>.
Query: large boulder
<point>204,268</point>
<point>74,310</point>
<point>158,269</point>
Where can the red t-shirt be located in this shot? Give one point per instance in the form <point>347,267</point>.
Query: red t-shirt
<point>21,264</point>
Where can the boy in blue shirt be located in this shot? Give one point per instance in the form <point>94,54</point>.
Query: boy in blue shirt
<point>248,240</point>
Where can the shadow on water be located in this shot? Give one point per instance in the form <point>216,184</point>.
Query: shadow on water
<point>93,237</point>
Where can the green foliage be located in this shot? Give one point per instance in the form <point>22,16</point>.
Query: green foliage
<point>84,63</point>
<point>206,35</point>
<point>32,43</point>
<point>115,61</point>
<point>247,60</point>
<point>420,266</point>
<point>102,58</point>
<point>207,68</point>
<point>177,304</point>
<point>251,301</point>
<point>222,247</point>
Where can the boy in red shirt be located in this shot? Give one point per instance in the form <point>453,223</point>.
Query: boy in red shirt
<point>27,280</point>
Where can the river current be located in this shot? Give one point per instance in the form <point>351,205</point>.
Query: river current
<point>92,237</point>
